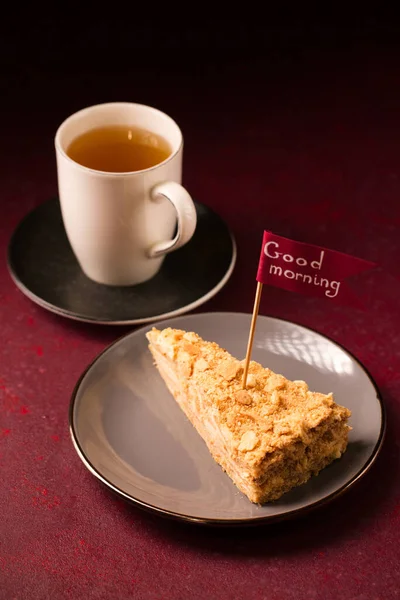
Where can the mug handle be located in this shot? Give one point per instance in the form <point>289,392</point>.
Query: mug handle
<point>186,213</point>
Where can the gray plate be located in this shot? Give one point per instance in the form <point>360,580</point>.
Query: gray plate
<point>130,433</point>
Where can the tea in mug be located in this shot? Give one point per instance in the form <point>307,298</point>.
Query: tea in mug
<point>119,149</point>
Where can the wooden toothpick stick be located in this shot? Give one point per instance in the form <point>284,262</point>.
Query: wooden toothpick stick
<point>251,334</point>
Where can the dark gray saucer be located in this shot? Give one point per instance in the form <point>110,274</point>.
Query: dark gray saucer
<point>132,435</point>
<point>43,266</point>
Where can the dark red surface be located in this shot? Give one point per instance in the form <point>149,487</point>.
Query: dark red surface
<point>307,147</point>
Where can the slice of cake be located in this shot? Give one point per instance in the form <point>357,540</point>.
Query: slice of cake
<point>270,437</point>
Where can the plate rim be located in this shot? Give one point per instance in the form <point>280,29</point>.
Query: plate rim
<point>248,521</point>
<point>141,321</point>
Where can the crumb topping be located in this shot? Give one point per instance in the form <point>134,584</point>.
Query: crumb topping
<point>272,412</point>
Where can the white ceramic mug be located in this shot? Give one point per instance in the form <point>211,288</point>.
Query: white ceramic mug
<point>121,225</point>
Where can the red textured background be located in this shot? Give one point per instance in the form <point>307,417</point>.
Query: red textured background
<point>304,141</point>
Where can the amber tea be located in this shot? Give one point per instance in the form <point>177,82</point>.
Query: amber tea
<point>119,149</point>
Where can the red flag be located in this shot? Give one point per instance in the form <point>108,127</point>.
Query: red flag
<point>309,269</point>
